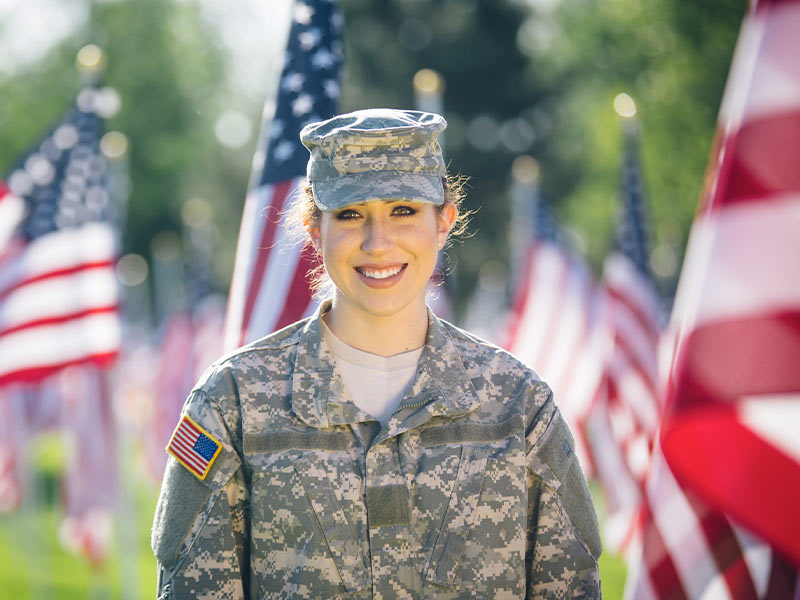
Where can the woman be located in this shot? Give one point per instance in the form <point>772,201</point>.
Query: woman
<point>373,450</point>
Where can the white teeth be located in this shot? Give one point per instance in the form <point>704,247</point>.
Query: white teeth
<point>379,273</point>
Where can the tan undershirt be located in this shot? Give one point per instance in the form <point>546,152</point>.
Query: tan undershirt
<point>376,384</point>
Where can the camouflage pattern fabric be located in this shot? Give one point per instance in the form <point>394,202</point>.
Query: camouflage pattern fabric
<point>471,490</point>
<point>375,154</point>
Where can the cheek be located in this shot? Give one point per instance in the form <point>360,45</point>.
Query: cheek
<point>334,244</point>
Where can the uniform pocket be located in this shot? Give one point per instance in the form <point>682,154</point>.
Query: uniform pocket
<point>302,541</point>
<point>480,547</point>
<point>459,518</point>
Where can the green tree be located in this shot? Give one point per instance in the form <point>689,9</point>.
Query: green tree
<point>165,62</point>
<point>672,58</point>
<point>540,77</point>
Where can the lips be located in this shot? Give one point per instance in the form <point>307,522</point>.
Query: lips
<point>380,273</point>
<point>381,277</point>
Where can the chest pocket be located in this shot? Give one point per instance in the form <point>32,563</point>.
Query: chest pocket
<point>302,541</point>
<point>459,518</point>
<point>480,545</point>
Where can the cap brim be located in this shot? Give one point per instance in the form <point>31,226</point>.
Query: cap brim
<point>358,188</point>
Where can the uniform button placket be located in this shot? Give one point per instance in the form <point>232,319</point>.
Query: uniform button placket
<point>389,539</point>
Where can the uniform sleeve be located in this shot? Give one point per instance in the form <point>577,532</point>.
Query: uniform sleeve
<point>563,541</point>
<point>200,527</point>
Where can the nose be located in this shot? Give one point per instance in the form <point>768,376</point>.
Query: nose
<point>378,237</point>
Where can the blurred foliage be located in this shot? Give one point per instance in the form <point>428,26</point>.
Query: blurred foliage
<point>673,59</point>
<point>522,76</point>
<point>166,64</point>
<point>539,77</point>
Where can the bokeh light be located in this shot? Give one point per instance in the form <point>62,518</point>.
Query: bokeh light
<point>132,270</point>
<point>91,59</point>
<point>233,129</point>
<point>114,145</point>
<point>624,105</point>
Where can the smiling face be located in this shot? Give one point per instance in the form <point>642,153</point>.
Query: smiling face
<point>380,256</point>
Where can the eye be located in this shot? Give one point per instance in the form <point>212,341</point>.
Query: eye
<point>403,211</point>
<point>348,214</point>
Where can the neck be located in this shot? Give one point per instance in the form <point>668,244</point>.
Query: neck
<point>381,335</point>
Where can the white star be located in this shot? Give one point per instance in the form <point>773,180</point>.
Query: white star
<point>309,39</point>
<point>303,13</point>
<point>283,151</point>
<point>322,59</point>
<point>276,128</point>
<point>293,82</point>
<point>303,105</point>
<point>331,88</point>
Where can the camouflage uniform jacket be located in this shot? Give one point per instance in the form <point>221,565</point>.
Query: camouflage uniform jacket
<point>471,490</point>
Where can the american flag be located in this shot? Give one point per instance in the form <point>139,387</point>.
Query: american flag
<point>90,486</point>
<point>680,546</point>
<point>269,288</point>
<point>553,322</point>
<point>193,447</point>
<point>731,429</point>
<point>686,550</point>
<point>174,378</point>
<point>624,418</point>
<point>58,291</point>
<point>12,445</point>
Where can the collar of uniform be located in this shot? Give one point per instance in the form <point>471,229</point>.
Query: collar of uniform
<point>441,387</point>
<point>442,360</point>
<point>318,394</point>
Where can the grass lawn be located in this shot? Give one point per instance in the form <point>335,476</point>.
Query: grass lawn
<point>35,565</point>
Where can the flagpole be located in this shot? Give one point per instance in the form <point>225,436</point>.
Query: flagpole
<point>429,94</point>
<point>114,146</point>
<point>524,196</point>
<point>429,97</point>
<point>91,62</point>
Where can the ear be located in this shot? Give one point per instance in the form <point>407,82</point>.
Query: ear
<point>447,217</point>
<point>313,233</point>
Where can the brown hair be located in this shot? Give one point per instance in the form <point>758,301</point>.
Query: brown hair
<point>303,214</point>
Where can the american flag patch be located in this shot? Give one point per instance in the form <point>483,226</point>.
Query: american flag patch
<point>194,447</point>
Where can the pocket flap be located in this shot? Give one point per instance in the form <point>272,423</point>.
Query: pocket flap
<point>339,535</point>
<point>460,516</point>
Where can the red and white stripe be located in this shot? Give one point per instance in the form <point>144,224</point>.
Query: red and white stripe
<point>58,302</point>
<point>730,431</point>
<point>91,478</point>
<point>269,289</point>
<point>13,435</point>
<point>554,332</point>
<point>623,422</point>
<point>181,446</point>
<point>12,211</point>
<point>685,549</point>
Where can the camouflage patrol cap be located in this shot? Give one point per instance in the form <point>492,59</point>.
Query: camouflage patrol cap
<point>375,154</point>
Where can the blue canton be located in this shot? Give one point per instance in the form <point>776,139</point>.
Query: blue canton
<point>63,179</point>
<point>308,89</point>
<point>205,447</point>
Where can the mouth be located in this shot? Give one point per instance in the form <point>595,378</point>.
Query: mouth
<point>384,273</point>
<point>381,277</point>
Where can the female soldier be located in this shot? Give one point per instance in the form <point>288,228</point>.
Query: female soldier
<point>373,450</point>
